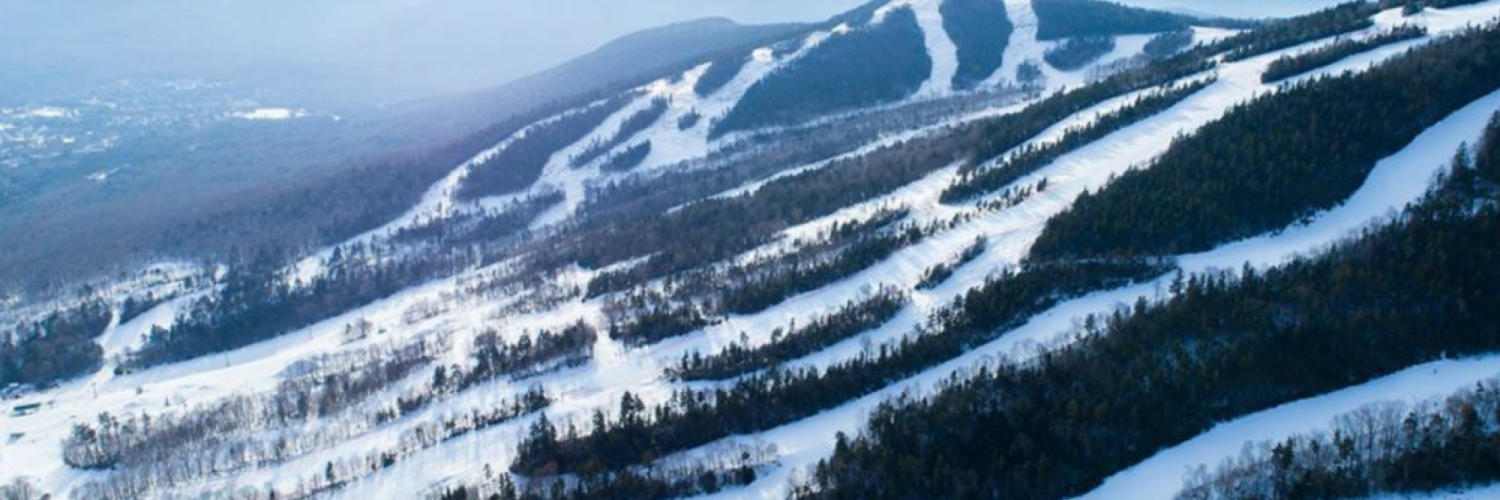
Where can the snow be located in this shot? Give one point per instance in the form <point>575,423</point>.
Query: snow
<point>247,370</point>
<point>1023,46</point>
<point>678,145</point>
<point>1010,234</point>
<point>940,48</point>
<point>882,142</point>
<point>1203,35</point>
<point>1161,476</point>
<point>1490,492</point>
<point>46,113</point>
<point>804,442</point>
<point>118,339</point>
<point>1394,182</point>
<point>270,114</point>
<point>669,146</point>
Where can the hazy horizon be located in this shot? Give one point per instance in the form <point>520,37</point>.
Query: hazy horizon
<point>406,48</point>
<point>416,47</point>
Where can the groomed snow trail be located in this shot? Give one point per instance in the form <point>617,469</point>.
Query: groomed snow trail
<point>940,48</point>
<point>669,145</point>
<point>804,442</point>
<point>1161,476</point>
<point>1396,180</point>
<point>598,384</point>
<point>681,145</point>
<point>1490,492</point>
<point>1023,47</point>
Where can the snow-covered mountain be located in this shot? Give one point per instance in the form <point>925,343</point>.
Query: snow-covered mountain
<point>927,249</point>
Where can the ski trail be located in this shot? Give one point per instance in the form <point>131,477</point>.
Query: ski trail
<point>574,182</point>
<point>804,442</point>
<point>1488,492</point>
<point>1023,47</point>
<point>940,48</point>
<point>1396,181</point>
<point>1161,476</point>
<point>599,383</point>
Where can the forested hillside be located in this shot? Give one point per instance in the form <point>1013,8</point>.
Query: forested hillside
<point>1061,19</point>
<point>981,30</point>
<point>926,249</point>
<point>1218,185</point>
<point>1409,291</point>
<point>873,64</point>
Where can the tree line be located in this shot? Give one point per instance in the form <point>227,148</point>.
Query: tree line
<point>978,180</point>
<point>981,30</point>
<point>638,434</point>
<point>1412,290</point>
<point>719,73</point>
<point>1169,43</point>
<point>632,125</point>
<point>1292,65</point>
<point>1389,448</point>
<point>1059,19</point>
<point>627,159</point>
<point>792,342</point>
<point>730,466</point>
<point>1075,53</point>
<point>55,348</point>
<point>876,64</point>
<point>1237,177</point>
<point>1288,33</point>
<point>519,164</point>
<point>936,275</point>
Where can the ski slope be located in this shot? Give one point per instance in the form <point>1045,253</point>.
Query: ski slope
<point>1490,492</point>
<point>1395,181</point>
<point>940,48</point>
<point>1161,476</point>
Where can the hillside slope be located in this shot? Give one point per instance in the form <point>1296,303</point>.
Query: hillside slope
<point>870,294</point>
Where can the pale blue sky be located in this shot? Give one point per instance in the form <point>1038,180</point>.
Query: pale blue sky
<point>443,44</point>
<point>436,45</point>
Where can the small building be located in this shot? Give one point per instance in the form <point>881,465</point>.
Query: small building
<point>27,409</point>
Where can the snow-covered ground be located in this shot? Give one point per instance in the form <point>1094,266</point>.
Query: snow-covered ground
<point>804,442</point>
<point>158,280</point>
<point>1010,232</point>
<point>940,47</point>
<point>270,114</point>
<point>1161,476</point>
<point>1023,47</point>
<point>1490,492</point>
<point>1396,181</point>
